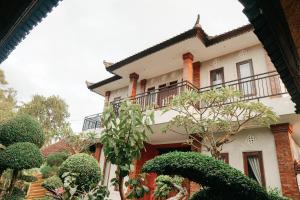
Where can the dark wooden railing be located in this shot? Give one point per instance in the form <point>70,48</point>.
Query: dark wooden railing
<point>251,88</point>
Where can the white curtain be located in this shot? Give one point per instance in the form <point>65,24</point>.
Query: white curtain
<point>254,163</point>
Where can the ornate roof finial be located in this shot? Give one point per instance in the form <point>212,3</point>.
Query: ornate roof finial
<point>88,83</point>
<point>197,24</point>
<point>107,64</point>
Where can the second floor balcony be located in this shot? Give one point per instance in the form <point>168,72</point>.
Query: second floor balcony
<point>265,85</point>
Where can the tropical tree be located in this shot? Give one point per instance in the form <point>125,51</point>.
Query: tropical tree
<point>213,118</point>
<point>7,99</point>
<point>123,137</point>
<point>52,113</point>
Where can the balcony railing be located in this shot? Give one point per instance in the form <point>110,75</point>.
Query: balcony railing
<point>251,88</point>
<point>92,122</point>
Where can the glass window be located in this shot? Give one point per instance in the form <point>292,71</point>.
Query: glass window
<point>245,76</point>
<point>253,166</point>
<point>217,76</point>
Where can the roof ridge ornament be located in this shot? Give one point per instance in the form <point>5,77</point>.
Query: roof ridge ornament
<point>107,64</point>
<point>88,83</point>
<point>197,24</point>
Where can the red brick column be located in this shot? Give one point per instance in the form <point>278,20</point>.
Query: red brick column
<point>143,85</point>
<point>188,67</point>
<point>98,152</point>
<point>196,74</point>
<point>133,84</point>
<point>282,136</point>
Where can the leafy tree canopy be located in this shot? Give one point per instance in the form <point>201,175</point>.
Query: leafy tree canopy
<point>51,112</point>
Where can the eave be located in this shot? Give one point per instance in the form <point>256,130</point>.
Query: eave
<point>271,27</point>
<point>18,19</point>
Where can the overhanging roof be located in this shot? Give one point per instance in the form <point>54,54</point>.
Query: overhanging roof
<point>269,20</point>
<point>17,19</point>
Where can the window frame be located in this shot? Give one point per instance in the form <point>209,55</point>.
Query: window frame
<point>261,164</point>
<point>225,156</point>
<point>238,64</point>
<point>214,71</point>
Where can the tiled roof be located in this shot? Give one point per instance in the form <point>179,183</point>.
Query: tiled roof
<point>57,147</point>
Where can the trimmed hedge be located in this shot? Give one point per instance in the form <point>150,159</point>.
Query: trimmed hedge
<point>53,182</point>
<point>222,181</point>
<point>22,128</point>
<point>21,155</point>
<point>48,171</point>
<point>86,167</point>
<point>56,159</point>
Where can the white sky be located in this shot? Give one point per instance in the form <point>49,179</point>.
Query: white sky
<point>68,46</point>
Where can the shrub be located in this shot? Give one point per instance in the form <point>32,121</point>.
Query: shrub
<point>16,194</point>
<point>86,167</point>
<point>163,186</point>
<point>220,180</point>
<point>21,155</point>
<point>56,159</point>
<point>22,128</point>
<point>27,178</point>
<point>48,171</point>
<point>53,182</point>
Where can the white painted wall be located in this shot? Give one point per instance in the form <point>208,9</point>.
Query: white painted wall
<point>264,142</point>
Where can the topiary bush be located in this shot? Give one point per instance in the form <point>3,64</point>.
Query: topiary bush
<point>17,194</point>
<point>56,159</point>
<point>21,155</point>
<point>21,128</point>
<point>86,167</point>
<point>220,180</point>
<point>48,171</point>
<point>53,183</point>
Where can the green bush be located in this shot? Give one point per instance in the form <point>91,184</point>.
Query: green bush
<point>17,194</point>
<point>22,128</point>
<point>27,178</point>
<point>86,167</point>
<point>53,182</point>
<point>21,155</point>
<point>56,159</point>
<point>48,171</point>
<point>220,180</point>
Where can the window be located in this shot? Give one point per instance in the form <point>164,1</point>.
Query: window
<point>245,76</point>
<point>217,76</point>
<point>253,166</point>
<point>162,94</point>
<point>150,100</point>
<point>224,157</point>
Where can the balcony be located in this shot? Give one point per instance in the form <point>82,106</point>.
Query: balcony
<point>92,122</point>
<point>252,88</point>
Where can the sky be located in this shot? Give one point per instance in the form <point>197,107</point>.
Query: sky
<point>69,46</point>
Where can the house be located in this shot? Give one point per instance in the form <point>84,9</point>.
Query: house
<point>197,61</point>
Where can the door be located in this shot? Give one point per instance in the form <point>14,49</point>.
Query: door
<point>246,78</point>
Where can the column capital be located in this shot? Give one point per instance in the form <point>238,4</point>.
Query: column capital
<point>144,81</point>
<point>107,93</point>
<point>133,76</point>
<point>188,56</point>
<point>281,128</point>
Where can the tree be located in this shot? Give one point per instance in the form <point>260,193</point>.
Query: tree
<point>219,180</point>
<point>51,112</point>
<point>123,137</point>
<point>165,184</point>
<point>7,99</point>
<point>214,117</point>
<point>80,142</point>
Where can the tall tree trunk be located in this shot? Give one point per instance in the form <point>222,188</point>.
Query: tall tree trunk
<point>13,181</point>
<point>120,184</point>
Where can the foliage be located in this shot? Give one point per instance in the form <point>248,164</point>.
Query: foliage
<point>21,128</point>
<point>223,180</point>
<point>165,184</point>
<point>53,182</point>
<point>137,188</point>
<point>48,171</point>
<point>7,99</point>
<point>215,116</point>
<point>17,194</point>
<point>123,137</point>
<point>51,112</point>
<point>57,158</point>
<point>80,142</point>
<point>86,167</point>
<point>21,155</point>
<point>27,178</point>
<point>275,195</point>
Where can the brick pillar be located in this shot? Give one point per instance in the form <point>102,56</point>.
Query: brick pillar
<point>196,74</point>
<point>282,135</point>
<point>188,67</point>
<point>133,84</point>
<point>143,85</point>
<point>195,187</point>
<point>98,152</point>
<point>107,95</point>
